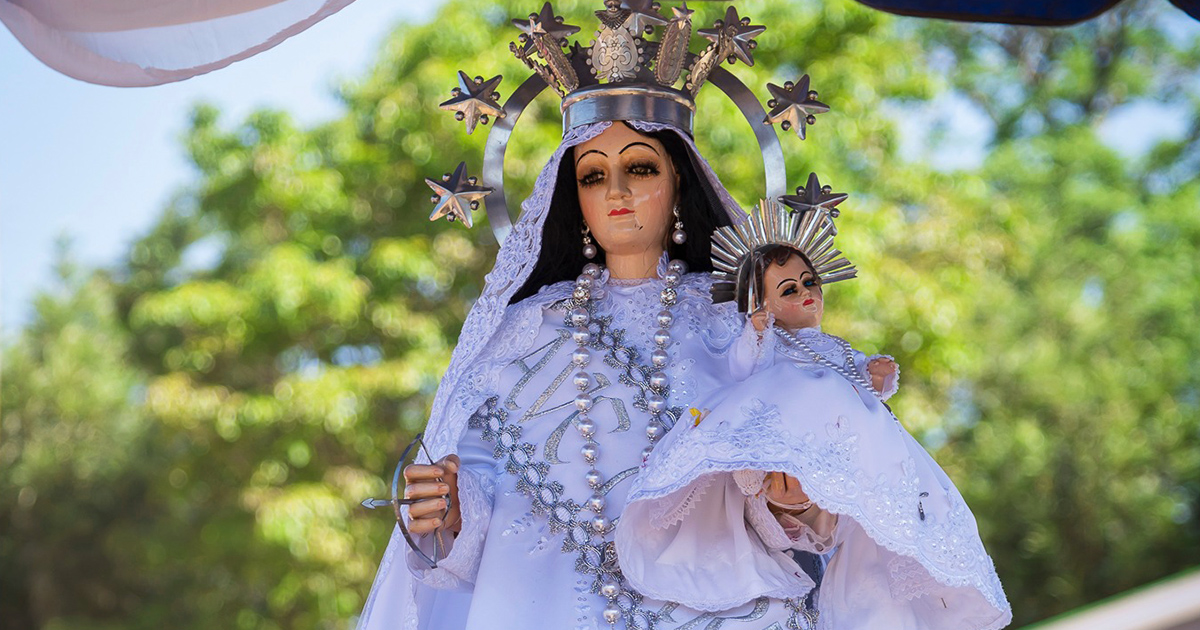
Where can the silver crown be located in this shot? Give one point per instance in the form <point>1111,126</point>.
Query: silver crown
<point>803,222</point>
<point>627,75</point>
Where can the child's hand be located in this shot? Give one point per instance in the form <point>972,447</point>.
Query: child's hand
<point>760,319</point>
<point>880,370</point>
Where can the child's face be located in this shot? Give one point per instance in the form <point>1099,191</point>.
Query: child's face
<point>792,292</point>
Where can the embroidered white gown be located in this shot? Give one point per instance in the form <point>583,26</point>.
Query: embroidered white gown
<point>906,553</point>
<point>523,559</point>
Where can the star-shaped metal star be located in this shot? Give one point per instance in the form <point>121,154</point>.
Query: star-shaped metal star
<point>457,195</point>
<point>682,12</point>
<point>794,106</point>
<point>740,36</point>
<point>642,16</point>
<point>544,23</point>
<point>814,196</point>
<point>473,99</point>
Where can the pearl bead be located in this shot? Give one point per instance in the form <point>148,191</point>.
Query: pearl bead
<point>589,251</point>
<point>679,236</point>
<point>585,281</point>
<point>581,293</point>
<point>658,380</point>
<point>581,356</point>
<point>593,270</point>
<point>665,318</point>
<point>654,431</point>
<point>581,336</point>
<point>586,427</point>
<point>583,402</point>
<point>595,503</point>
<point>646,452</point>
<point>593,478</point>
<point>662,337</point>
<point>582,380</point>
<point>672,278</point>
<point>658,358</point>
<point>599,524</point>
<point>610,589</point>
<point>590,451</point>
<point>612,615</point>
<point>674,265</point>
<point>669,296</point>
<point>579,316</point>
<point>656,403</point>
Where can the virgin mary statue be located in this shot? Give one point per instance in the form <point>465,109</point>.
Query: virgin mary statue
<point>594,334</point>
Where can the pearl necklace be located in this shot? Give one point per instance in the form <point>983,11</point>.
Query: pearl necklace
<point>579,317</point>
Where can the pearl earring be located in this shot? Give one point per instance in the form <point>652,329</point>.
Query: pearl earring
<point>678,236</point>
<point>589,250</point>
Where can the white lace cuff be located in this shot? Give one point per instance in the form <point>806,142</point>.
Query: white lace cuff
<point>763,521</point>
<point>463,552</point>
<point>750,482</point>
<point>891,384</point>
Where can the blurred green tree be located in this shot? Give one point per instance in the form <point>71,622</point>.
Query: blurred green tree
<point>288,318</point>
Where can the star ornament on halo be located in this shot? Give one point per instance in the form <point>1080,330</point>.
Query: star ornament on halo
<point>794,106</point>
<point>474,100</point>
<point>543,23</point>
<point>456,195</point>
<point>740,34</point>
<point>813,196</point>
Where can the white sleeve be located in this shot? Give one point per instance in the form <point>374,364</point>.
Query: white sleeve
<point>751,352</point>
<point>476,493</point>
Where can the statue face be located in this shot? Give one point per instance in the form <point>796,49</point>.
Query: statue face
<point>793,293</point>
<point>627,188</point>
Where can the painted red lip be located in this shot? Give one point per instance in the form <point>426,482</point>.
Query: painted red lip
<point>808,301</point>
<point>616,212</point>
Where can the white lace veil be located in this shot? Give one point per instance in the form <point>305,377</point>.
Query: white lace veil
<point>514,263</point>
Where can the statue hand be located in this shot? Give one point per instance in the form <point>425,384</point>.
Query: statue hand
<point>880,370</point>
<point>431,483</point>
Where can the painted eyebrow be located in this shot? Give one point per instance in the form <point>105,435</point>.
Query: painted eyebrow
<point>635,144</point>
<point>784,280</point>
<point>594,151</point>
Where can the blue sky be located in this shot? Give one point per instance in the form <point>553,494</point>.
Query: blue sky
<point>97,164</point>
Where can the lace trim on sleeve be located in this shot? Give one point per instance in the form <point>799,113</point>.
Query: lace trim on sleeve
<point>750,482</point>
<point>765,525</point>
<point>664,514</point>
<point>461,564</point>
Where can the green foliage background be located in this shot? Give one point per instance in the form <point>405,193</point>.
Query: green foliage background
<point>187,447</point>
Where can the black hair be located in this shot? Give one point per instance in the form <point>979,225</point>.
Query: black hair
<point>561,257</point>
<point>755,270</point>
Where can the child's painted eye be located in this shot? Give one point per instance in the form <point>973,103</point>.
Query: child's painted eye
<point>810,282</point>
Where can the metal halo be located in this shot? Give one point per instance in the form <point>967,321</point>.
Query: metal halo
<point>501,221</point>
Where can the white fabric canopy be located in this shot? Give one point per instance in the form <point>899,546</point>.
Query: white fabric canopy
<point>132,43</point>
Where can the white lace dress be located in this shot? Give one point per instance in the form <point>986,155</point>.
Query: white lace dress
<point>524,559</point>
<point>906,552</point>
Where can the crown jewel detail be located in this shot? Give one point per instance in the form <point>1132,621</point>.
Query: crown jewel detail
<point>624,74</point>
